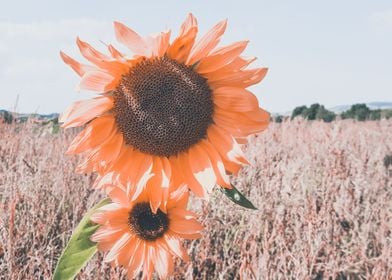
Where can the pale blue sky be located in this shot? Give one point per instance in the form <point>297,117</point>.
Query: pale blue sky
<point>332,52</point>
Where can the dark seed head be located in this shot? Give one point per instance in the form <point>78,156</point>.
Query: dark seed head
<point>145,224</point>
<point>163,107</point>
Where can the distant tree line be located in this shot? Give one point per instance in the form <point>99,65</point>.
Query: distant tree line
<point>6,116</point>
<point>9,118</point>
<point>314,112</point>
<point>360,112</point>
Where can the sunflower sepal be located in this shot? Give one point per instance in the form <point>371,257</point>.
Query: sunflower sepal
<point>237,197</point>
<point>79,249</point>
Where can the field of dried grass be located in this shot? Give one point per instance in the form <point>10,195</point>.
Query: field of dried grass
<point>323,193</point>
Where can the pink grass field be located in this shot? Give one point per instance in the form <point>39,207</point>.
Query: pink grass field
<point>323,192</point>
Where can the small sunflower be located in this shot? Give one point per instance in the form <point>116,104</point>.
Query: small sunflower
<point>143,241</point>
<point>174,111</point>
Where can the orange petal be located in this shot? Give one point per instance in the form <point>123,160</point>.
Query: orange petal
<point>186,236</point>
<point>125,254</point>
<point>124,159</point>
<point>163,43</point>
<point>90,53</point>
<point>189,179</point>
<point>109,152</point>
<point>104,246</point>
<point>154,185</point>
<point>106,234</point>
<point>180,48</point>
<point>244,121</point>
<point>227,124</point>
<point>189,23</point>
<point>242,140</point>
<point>105,180</point>
<point>159,43</point>
<point>79,68</point>
<point>148,267</point>
<point>177,178</point>
<point>225,145</point>
<point>158,185</point>
<point>258,115</point>
<point>186,227</point>
<point>136,260</point>
<point>162,263</point>
<point>126,168</point>
<point>114,52</point>
<point>207,43</point>
<point>235,66</point>
<point>235,99</point>
<point>178,198</point>
<point>221,57</point>
<point>97,81</point>
<point>118,246</point>
<point>89,163</point>
<point>181,213</point>
<point>243,78</point>
<point>117,195</point>
<point>217,164</point>
<point>108,213</point>
<point>142,174</point>
<point>134,169</point>
<point>201,167</point>
<point>114,67</point>
<point>175,247</point>
<point>83,111</point>
<point>93,135</point>
<point>130,251</point>
<point>155,194</point>
<point>166,172</point>
<point>130,39</point>
<point>99,158</point>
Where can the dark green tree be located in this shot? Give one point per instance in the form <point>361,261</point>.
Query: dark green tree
<point>298,111</point>
<point>387,113</point>
<point>314,112</point>
<point>325,115</point>
<point>360,112</point>
<point>6,116</point>
<point>278,118</point>
<point>375,115</point>
<point>311,113</point>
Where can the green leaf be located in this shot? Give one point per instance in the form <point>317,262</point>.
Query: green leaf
<point>80,248</point>
<point>237,197</point>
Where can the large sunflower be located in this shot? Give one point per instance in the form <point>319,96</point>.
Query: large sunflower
<point>174,111</point>
<point>143,241</point>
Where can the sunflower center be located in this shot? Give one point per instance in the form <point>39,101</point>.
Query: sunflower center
<point>163,107</point>
<point>145,224</point>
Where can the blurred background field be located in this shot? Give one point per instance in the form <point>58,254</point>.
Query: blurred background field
<point>323,192</point>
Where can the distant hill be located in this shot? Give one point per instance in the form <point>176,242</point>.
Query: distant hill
<point>341,108</point>
<point>371,105</point>
<point>20,117</point>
